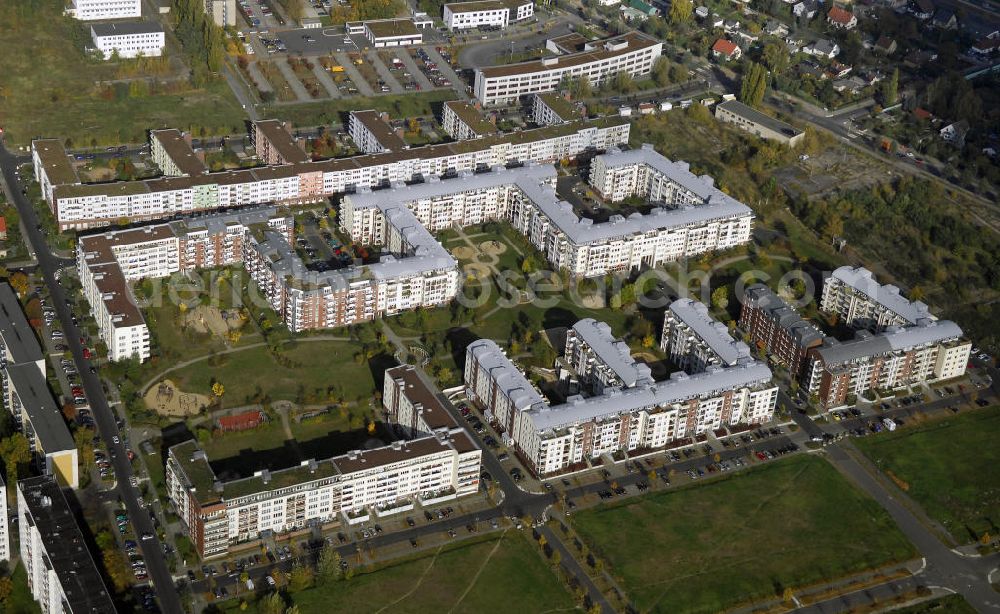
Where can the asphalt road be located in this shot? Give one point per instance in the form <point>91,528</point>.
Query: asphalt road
<point>152,551</point>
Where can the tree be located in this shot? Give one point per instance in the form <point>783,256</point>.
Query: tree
<point>6,588</point>
<point>680,11</point>
<point>580,87</point>
<point>622,82</point>
<point>890,89</point>
<point>300,578</point>
<point>272,603</point>
<point>19,281</point>
<point>661,71</point>
<point>833,226</point>
<point>720,298</point>
<point>15,451</point>
<point>328,566</point>
<point>754,85</point>
<point>218,389</point>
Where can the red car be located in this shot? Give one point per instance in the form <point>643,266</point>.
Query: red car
<point>86,353</point>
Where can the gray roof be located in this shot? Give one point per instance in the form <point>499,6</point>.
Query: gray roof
<point>123,28</point>
<point>507,376</point>
<point>36,399</point>
<point>17,335</point>
<point>804,333</point>
<point>755,116</point>
<point>710,331</point>
<point>888,296</point>
<point>679,388</point>
<point>217,222</point>
<point>612,352</point>
<point>716,205</point>
<point>65,547</point>
<point>926,332</point>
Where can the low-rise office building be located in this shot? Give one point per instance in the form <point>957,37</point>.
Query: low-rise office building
<point>462,121</point>
<point>490,13</point>
<point>695,341</point>
<point>62,576</point>
<point>773,326</point>
<point>129,39</point>
<point>861,302</point>
<point>553,108</point>
<point>372,133</point>
<point>98,10</point>
<point>633,53</point>
<point>393,33</point>
<point>27,397</point>
<point>438,462</point>
<point>634,415</point>
<point>755,122</point>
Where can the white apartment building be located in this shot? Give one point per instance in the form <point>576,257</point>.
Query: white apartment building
<point>4,524</point>
<point>643,416</point>
<point>695,341</point>
<point>128,39</point>
<point>633,53</point>
<point>372,133</point>
<point>462,121</point>
<point>97,10</point>
<point>172,153</point>
<point>108,263</point>
<point>294,180</point>
<point>861,302</point>
<point>552,108</point>
<point>492,13</point>
<point>27,397</point>
<point>600,361</point>
<point>61,573</point>
<point>927,352</point>
<point>439,462</point>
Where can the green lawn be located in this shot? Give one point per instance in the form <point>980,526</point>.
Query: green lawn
<point>20,600</point>
<point>489,576</point>
<point>707,548</point>
<point>952,604</point>
<point>307,368</point>
<point>51,89</point>
<point>949,467</point>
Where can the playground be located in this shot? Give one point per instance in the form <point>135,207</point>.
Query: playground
<point>168,400</point>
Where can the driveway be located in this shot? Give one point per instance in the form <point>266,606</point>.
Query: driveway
<point>262,83</point>
<point>326,80</point>
<point>457,83</point>
<point>364,88</point>
<point>293,81</point>
<point>412,68</point>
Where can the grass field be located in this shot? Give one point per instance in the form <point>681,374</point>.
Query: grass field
<point>952,604</point>
<point>51,89</point>
<point>949,467</point>
<point>20,600</point>
<point>308,368</point>
<point>706,548</point>
<point>489,576</point>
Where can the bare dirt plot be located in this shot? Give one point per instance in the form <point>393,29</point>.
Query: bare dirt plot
<point>463,253</point>
<point>166,399</point>
<point>207,319</point>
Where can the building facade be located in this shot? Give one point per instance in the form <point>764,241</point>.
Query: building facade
<point>633,53</point>
<point>755,122</point>
<point>859,301</point>
<point>462,121</point>
<point>773,326</point>
<point>5,525</point>
<point>97,10</point>
<point>631,412</point>
<point>61,574</point>
<point>128,39</point>
<point>437,462</point>
<point>489,13</point>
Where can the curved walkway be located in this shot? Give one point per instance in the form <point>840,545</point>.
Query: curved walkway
<point>149,384</point>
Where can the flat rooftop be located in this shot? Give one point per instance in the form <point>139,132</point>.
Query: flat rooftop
<point>179,151</point>
<point>613,352</point>
<point>471,117</point>
<point>925,332</point>
<point>485,5</point>
<point>37,403</point>
<point>566,110</point>
<point>126,28</point>
<point>755,116</point>
<point>65,547</point>
<point>380,129</point>
<point>18,337</point>
<point>888,296</point>
<point>434,414</point>
<point>598,52</point>
<point>275,133</point>
<point>392,28</point>
<point>710,331</point>
<point>54,160</point>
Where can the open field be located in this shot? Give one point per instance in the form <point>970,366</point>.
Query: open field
<point>487,576</point>
<point>51,89</point>
<point>745,537</point>
<point>304,367</point>
<point>949,467</point>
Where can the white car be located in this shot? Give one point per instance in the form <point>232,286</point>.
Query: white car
<point>115,440</point>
